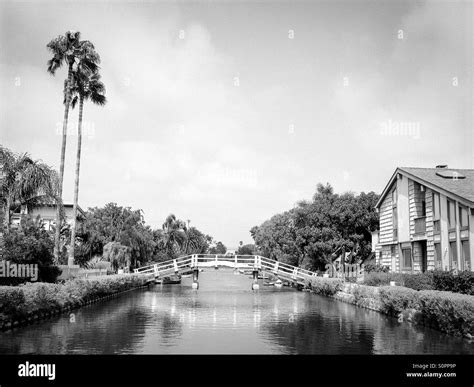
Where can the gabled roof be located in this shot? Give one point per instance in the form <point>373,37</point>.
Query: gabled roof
<point>461,188</point>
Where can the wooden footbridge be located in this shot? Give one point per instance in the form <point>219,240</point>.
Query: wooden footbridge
<point>247,263</point>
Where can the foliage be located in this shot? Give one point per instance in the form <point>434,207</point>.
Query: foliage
<point>19,302</point>
<point>31,244</point>
<point>419,281</point>
<point>372,267</point>
<point>396,299</point>
<point>313,230</point>
<point>463,282</point>
<point>219,248</point>
<point>325,286</point>
<point>24,182</point>
<point>449,312</point>
<point>246,250</point>
<point>11,298</point>
<point>377,278</point>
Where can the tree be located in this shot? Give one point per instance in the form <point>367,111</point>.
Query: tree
<point>24,181</point>
<point>219,248</point>
<point>70,50</point>
<point>114,223</point>
<point>32,244</point>
<point>309,234</point>
<point>174,234</point>
<point>85,87</point>
<point>246,250</point>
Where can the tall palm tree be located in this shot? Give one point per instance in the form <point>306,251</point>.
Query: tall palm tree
<point>85,87</point>
<point>70,50</point>
<point>174,235</point>
<point>24,180</point>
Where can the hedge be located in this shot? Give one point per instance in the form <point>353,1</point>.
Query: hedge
<point>463,282</point>
<point>325,286</point>
<point>449,312</point>
<point>452,313</point>
<point>21,301</point>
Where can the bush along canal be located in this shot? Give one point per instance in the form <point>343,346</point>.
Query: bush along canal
<point>31,302</point>
<point>448,312</point>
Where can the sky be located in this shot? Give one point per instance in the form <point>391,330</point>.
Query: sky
<point>226,113</point>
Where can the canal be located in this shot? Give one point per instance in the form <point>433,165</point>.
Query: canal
<point>225,316</point>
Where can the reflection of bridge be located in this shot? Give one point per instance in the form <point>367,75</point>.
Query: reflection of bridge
<point>251,263</point>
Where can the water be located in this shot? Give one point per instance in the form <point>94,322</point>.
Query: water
<point>225,316</point>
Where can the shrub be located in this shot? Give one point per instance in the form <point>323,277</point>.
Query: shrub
<point>376,279</point>
<point>449,312</point>
<point>326,286</point>
<point>376,268</point>
<point>39,297</point>
<point>420,281</point>
<point>11,300</point>
<point>396,299</point>
<point>463,282</point>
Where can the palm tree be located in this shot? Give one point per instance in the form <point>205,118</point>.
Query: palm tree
<point>85,87</point>
<point>174,235</point>
<point>68,49</point>
<point>24,181</point>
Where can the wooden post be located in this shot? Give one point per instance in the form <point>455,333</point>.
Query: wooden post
<point>195,284</point>
<point>275,267</point>
<point>255,285</point>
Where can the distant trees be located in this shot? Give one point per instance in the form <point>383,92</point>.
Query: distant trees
<point>119,235</point>
<point>246,249</point>
<point>219,248</point>
<point>308,234</point>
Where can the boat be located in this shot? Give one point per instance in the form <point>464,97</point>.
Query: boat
<point>171,280</point>
<point>278,283</point>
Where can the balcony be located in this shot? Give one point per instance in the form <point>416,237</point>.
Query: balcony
<point>420,226</point>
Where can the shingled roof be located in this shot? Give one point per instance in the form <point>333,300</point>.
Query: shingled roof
<point>462,186</point>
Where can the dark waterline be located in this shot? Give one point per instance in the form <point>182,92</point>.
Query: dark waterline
<point>225,316</point>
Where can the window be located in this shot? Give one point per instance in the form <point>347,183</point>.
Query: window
<point>453,254</point>
<point>451,215</point>
<point>437,255</point>
<point>393,253</point>
<point>436,206</point>
<point>463,218</point>
<point>394,197</point>
<point>465,255</point>
<point>406,258</point>
<point>423,207</point>
<point>394,213</point>
<point>395,222</point>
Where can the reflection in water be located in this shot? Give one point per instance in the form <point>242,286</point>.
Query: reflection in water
<point>225,316</point>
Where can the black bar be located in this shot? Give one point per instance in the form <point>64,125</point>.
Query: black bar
<point>314,370</point>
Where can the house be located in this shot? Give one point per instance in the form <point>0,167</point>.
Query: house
<point>47,212</point>
<point>426,220</point>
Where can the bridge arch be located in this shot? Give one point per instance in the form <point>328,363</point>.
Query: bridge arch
<point>254,263</point>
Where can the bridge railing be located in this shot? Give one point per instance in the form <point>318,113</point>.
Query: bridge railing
<point>248,262</point>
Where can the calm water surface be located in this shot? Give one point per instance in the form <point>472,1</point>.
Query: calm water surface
<point>225,316</point>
